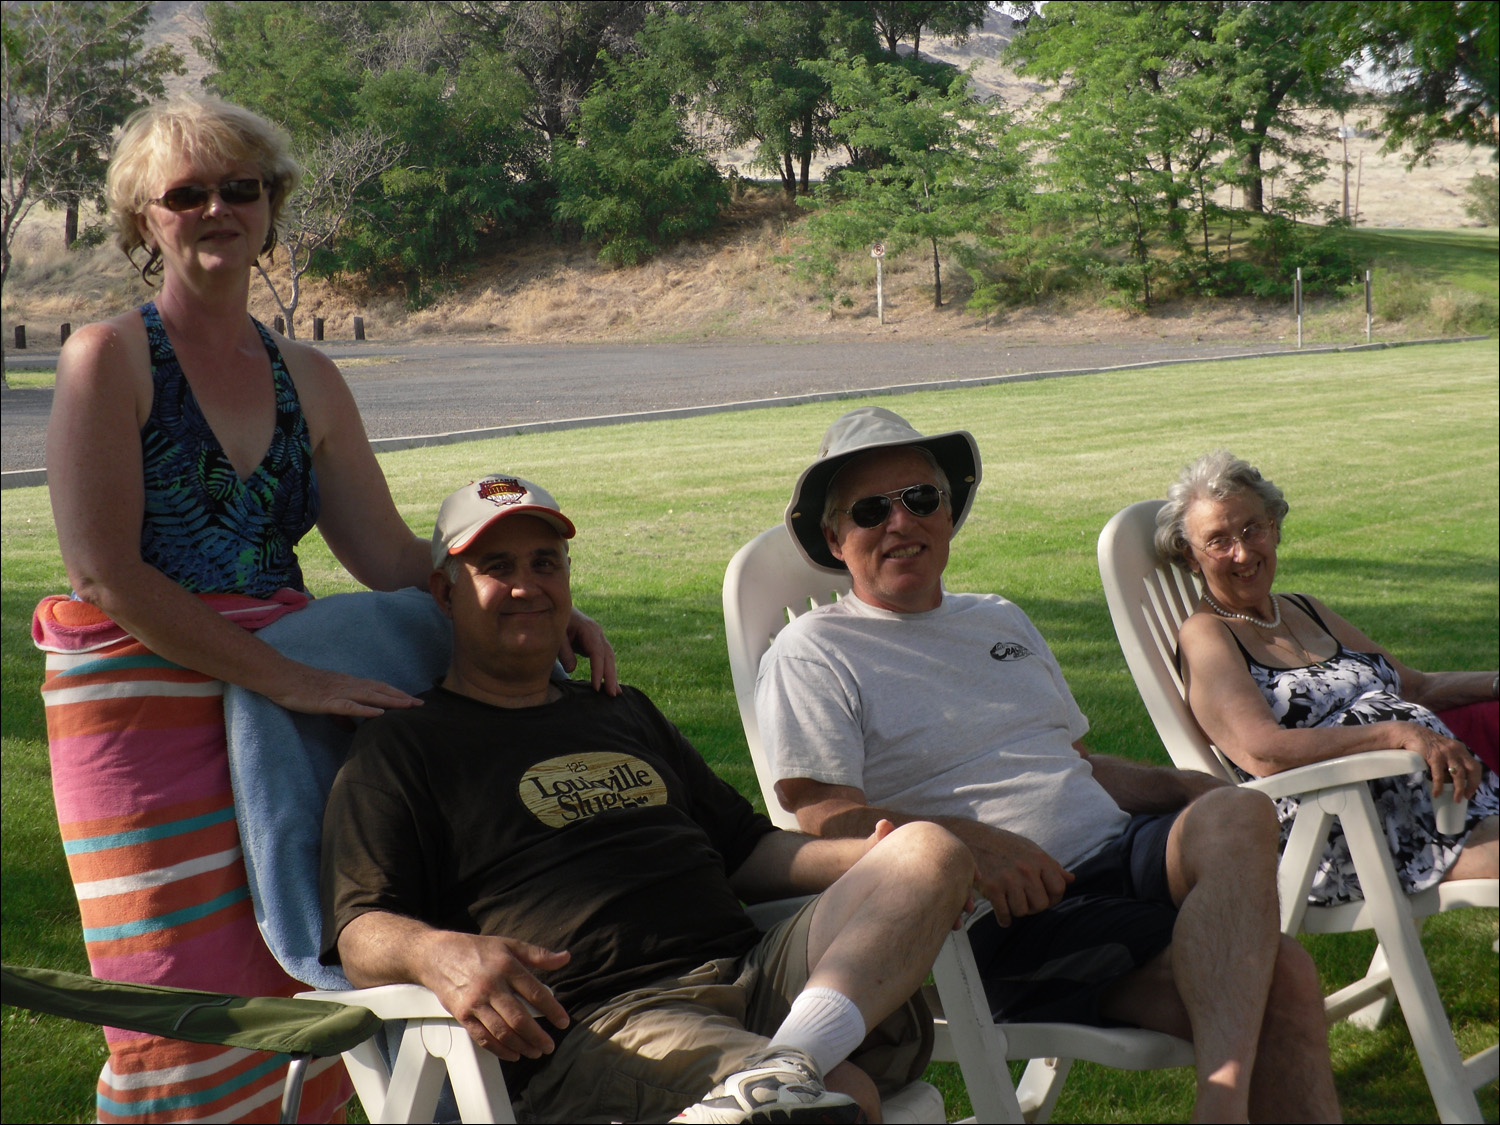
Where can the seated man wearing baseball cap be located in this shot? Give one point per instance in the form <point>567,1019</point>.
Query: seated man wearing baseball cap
<point>519,840</point>
<point>1122,892</point>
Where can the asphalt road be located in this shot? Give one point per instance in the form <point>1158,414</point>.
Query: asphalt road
<point>415,389</point>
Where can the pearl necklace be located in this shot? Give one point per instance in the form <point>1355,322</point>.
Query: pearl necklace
<point>1222,612</point>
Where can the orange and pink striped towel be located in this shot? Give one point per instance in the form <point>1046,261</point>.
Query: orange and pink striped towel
<point>140,776</point>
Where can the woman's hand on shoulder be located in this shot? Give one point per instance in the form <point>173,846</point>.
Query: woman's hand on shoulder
<point>587,637</point>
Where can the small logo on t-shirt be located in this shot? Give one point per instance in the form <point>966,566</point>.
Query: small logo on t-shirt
<point>574,787</point>
<point>1009,650</point>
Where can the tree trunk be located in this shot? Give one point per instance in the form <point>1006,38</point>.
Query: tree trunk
<point>937,277</point>
<point>70,224</point>
<point>1254,197</point>
<point>788,176</point>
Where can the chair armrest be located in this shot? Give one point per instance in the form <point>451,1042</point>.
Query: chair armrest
<point>1338,771</point>
<point>1307,780</point>
<point>394,1001</point>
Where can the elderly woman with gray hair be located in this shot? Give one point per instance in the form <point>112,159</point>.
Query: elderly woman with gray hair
<point>1280,680</point>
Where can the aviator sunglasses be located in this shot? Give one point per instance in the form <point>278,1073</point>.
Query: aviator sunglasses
<point>872,511</point>
<point>193,197</point>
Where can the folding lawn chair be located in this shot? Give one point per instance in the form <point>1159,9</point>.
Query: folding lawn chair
<point>768,583</point>
<point>1148,601</point>
<point>303,1029</point>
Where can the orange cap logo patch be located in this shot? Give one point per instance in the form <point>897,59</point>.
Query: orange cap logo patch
<point>502,492</point>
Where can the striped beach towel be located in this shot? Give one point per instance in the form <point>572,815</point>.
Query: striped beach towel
<point>140,776</point>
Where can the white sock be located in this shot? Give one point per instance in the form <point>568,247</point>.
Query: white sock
<point>824,1023</point>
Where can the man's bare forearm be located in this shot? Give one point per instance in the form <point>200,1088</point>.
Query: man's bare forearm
<point>1139,788</point>
<point>383,948</point>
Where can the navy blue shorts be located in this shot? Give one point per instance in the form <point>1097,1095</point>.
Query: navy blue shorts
<point>1116,915</point>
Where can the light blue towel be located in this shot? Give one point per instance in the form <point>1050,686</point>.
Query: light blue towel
<point>283,764</point>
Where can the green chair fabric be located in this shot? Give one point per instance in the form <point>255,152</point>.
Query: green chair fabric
<point>260,1023</point>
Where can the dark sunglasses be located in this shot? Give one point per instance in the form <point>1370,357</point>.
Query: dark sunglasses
<point>192,197</point>
<point>872,511</point>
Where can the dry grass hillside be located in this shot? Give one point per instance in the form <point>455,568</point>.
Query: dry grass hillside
<point>736,284</point>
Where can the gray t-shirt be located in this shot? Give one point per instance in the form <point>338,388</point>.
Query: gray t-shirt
<point>960,711</point>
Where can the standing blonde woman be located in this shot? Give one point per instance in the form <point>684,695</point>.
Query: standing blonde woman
<point>189,450</point>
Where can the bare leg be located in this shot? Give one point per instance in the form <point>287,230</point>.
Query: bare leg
<point>1481,854</point>
<point>1243,992</point>
<point>876,931</point>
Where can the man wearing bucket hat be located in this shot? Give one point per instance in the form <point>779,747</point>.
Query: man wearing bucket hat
<point>1121,892</point>
<point>524,840</point>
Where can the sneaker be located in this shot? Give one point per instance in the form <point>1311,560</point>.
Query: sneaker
<point>784,1087</point>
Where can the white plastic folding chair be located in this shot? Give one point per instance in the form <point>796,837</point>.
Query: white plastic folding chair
<point>1148,601</point>
<point>768,583</point>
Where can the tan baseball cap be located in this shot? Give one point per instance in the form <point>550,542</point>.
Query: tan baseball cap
<point>471,509</point>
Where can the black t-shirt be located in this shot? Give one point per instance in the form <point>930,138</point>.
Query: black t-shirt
<point>588,824</point>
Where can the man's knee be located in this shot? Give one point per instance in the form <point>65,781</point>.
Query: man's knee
<point>929,855</point>
<point>1232,823</point>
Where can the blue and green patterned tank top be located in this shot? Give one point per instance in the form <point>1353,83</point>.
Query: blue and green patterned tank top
<point>205,528</point>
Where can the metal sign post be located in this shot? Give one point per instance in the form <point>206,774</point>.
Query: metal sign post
<point>877,251</point>
<point>1297,300</point>
<point>1369,307</point>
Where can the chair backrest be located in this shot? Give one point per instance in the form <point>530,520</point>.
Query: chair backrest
<point>768,584</point>
<point>1148,602</point>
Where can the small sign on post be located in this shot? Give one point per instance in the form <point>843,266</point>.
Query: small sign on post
<point>877,251</point>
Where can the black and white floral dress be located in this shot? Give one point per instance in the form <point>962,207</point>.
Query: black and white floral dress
<point>1355,689</point>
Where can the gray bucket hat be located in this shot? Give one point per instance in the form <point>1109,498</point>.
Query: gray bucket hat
<point>871,427</point>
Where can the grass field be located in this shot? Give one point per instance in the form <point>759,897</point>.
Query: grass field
<point>1389,460</point>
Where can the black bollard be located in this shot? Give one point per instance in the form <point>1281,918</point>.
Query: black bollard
<point>359,328</point>
<point>64,332</point>
<point>20,337</point>
<point>279,325</point>
<point>317,328</point>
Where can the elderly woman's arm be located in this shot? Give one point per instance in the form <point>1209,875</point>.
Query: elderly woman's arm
<point>94,473</point>
<point>1436,691</point>
<point>1233,713</point>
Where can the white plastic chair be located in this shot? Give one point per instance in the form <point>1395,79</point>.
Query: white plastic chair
<point>1148,601</point>
<point>768,583</point>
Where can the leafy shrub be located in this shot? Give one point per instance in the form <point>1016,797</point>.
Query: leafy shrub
<point>1483,202</point>
<point>634,181</point>
<point>1325,255</point>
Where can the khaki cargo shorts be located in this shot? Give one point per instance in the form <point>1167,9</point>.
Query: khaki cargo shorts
<point>649,1053</point>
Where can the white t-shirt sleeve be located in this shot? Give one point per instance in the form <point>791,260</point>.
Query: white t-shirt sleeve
<point>809,712</point>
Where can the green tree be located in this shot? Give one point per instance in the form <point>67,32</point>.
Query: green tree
<point>635,180</point>
<point>1243,66</point>
<point>72,73</point>
<point>412,132</point>
<point>945,165</point>
<point>556,46</point>
<point>899,20</point>
<point>746,61</point>
<point>1442,60</point>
